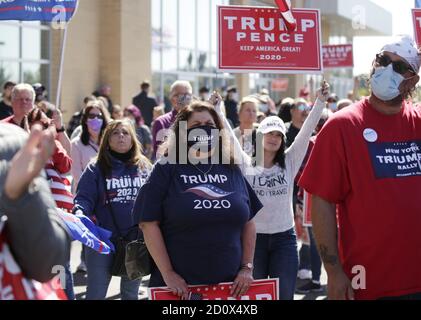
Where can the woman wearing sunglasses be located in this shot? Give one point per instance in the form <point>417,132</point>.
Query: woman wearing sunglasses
<point>271,175</point>
<point>85,147</point>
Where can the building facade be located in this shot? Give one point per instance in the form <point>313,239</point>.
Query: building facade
<point>123,42</point>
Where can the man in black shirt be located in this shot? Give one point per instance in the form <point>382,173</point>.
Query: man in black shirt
<point>231,106</point>
<point>144,103</point>
<point>6,104</point>
<point>299,112</point>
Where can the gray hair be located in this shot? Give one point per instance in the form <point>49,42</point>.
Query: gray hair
<point>21,87</point>
<point>180,83</point>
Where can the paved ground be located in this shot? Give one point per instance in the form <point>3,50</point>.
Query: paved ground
<point>113,290</point>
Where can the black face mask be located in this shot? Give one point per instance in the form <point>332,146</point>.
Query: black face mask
<point>204,138</point>
<point>123,157</point>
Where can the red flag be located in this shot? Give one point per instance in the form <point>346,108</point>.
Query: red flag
<point>285,8</point>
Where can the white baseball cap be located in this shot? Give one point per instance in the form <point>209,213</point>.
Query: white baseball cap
<point>272,123</point>
<point>405,47</point>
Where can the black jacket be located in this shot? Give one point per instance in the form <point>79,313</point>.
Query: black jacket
<point>145,105</point>
<point>232,112</point>
<point>5,110</point>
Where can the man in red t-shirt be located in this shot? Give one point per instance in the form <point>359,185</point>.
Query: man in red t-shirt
<point>23,97</point>
<point>367,161</point>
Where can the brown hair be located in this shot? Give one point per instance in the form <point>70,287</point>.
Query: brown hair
<point>171,145</point>
<point>136,156</point>
<point>84,137</point>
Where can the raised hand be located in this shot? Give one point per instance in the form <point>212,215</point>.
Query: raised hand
<point>57,119</point>
<point>323,92</point>
<point>29,161</point>
<point>216,100</point>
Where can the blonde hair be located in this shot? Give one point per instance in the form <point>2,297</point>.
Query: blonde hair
<point>247,100</point>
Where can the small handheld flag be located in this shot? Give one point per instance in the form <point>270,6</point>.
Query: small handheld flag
<point>84,230</point>
<point>285,8</point>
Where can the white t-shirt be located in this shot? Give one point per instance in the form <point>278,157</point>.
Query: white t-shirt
<point>274,187</point>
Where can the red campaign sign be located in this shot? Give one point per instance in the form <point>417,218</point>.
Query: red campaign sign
<point>307,210</point>
<point>338,56</point>
<point>280,85</point>
<point>259,290</point>
<point>416,19</point>
<point>255,39</point>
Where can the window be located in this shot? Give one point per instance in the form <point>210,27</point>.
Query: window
<point>184,43</point>
<point>24,52</point>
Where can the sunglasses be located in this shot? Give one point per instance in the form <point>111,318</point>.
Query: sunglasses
<point>398,66</point>
<point>93,116</point>
<point>303,107</point>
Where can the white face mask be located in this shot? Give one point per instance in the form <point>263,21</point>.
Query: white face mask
<point>333,106</point>
<point>234,96</point>
<point>205,96</point>
<point>385,83</point>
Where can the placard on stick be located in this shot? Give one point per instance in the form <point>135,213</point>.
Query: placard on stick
<point>255,39</point>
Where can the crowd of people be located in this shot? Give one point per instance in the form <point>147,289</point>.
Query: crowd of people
<point>215,186</point>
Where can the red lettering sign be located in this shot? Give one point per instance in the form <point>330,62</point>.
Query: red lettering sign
<point>416,18</point>
<point>338,56</point>
<point>259,290</point>
<point>255,39</point>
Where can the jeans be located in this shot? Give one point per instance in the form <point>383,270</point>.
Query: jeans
<point>82,255</point>
<point>316,262</point>
<point>69,282</point>
<point>305,261</point>
<point>276,256</point>
<point>310,258</point>
<point>99,277</point>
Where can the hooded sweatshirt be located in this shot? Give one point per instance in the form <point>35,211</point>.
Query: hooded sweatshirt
<point>99,197</point>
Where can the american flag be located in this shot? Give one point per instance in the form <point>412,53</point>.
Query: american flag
<point>285,8</point>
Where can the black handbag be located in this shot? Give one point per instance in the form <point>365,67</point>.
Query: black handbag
<point>131,257</point>
<point>138,261</point>
<point>118,267</point>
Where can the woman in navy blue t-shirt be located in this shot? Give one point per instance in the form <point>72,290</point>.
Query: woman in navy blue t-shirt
<point>196,208</point>
<point>107,192</point>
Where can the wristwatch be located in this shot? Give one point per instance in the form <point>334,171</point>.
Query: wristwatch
<point>248,266</point>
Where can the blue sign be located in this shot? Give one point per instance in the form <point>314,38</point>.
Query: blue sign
<point>417,3</point>
<point>38,10</point>
<point>396,160</point>
<point>84,230</point>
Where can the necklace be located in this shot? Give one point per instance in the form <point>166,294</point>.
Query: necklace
<point>204,173</point>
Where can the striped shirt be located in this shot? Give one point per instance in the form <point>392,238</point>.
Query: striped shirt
<point>60,185</point>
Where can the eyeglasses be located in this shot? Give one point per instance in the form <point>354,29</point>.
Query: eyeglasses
<point>398,66</point>
<point>93,116</point>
